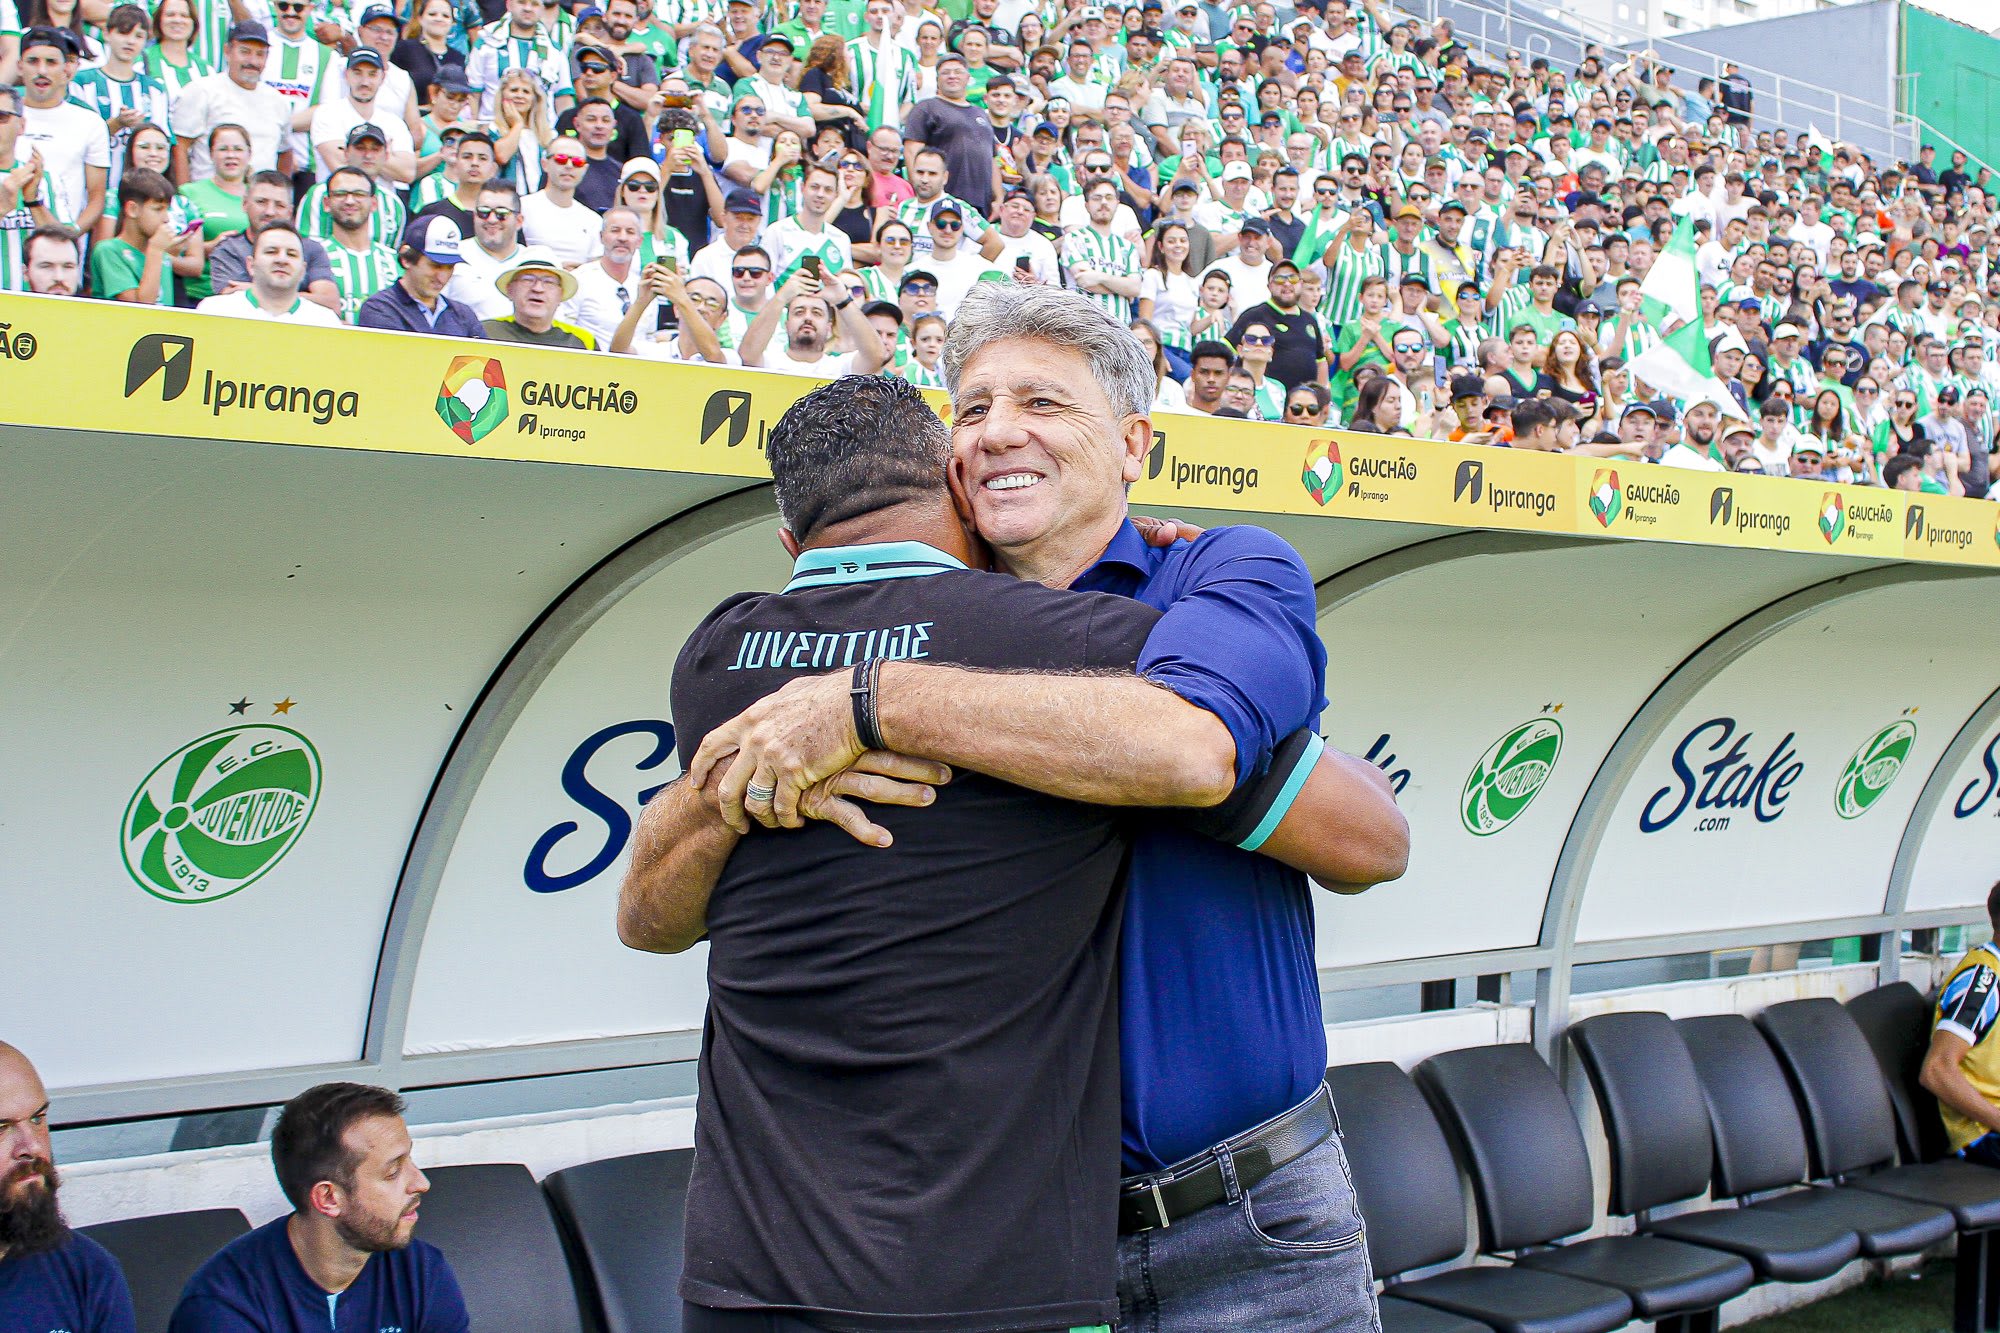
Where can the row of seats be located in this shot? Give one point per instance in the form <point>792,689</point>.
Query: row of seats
<point>1810,1121</point>
<point>593,1247</point>
<point>1797,1121</point>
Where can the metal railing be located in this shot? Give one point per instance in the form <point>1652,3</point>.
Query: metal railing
<point>1783,101</point>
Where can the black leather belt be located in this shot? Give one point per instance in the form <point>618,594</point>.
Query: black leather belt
<point>1152,1201</point>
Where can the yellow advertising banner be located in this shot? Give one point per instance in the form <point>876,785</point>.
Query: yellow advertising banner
<point>139,370</point>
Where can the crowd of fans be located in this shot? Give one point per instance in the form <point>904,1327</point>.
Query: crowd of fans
<point>1317,215</point>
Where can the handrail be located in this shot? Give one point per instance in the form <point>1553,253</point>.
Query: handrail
<point>1798,101</point>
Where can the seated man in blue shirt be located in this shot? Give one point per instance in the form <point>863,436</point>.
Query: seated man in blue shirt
<point>415,302</point>
<point>345,1259</point>
<point>50,1277</point>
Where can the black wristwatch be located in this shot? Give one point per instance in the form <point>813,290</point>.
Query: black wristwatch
<point>842,305</point>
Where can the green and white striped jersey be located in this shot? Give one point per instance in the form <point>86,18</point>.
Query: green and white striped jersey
<point>883,80</point>
<point>386,225</point>
<point>174,78</point>
<point>1087,247</point>
<point>914,212</point>
<point>1396,264</point>
<point>359,274</point>
<point>14,230</point>
<point>106,96</point>
<point>212,31</point>
<point>1347,268</point>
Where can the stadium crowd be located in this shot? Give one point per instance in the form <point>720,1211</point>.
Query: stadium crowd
<point>1319,215</point>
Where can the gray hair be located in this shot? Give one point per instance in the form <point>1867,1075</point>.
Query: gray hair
<point>993,311</point>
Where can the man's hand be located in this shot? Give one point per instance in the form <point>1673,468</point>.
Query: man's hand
<point>786,743</point>
<point>880,777</point>
<point>1165,531</point>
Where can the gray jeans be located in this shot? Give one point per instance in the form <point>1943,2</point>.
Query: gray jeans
<point>1286,1254</point>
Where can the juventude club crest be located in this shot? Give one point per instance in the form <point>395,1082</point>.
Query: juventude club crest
<point>219,812</point>
<point>1510,775</point>
<point>1873,769</point>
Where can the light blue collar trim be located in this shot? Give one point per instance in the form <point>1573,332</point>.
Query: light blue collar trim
<point>829,566</point>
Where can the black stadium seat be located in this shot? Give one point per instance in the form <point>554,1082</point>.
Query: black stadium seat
<point>1400,1316</point>
<point>1408,1188</point>
<point>1851,1123</point>
<point>1663,1151</point>
<point>623,1218</point>
<point>494,1226</point>
<point>1761,1144</point>
<point>160,1254</point>
<point>1531,1179</point>
<point>1896,1020</point>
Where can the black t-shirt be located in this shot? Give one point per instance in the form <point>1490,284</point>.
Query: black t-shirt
<point>965,136</point>
<point>687,209</point>
<point>598,190</point>
<point>1299,345</point>
<point>448,207</point>
<point>909,1074</point>
<point>1286,234</point>
<point>631,141</point>
<point>417,60</point>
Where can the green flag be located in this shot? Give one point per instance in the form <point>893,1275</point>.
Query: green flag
<point>1671,291</point>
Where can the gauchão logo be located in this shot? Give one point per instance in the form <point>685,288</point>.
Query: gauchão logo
<point>219,812</point>
<point>1832,516</point>
<point>1323,472</point>
<point>472,399</point>
<point>1605,497</point>
<point>1728,782</point>
<point>1509,775</point>
<point>1873,768</point>
<point>1721,506</point>
<point>167,355</point>
<point>1469,482</point>
<point>728,414</point>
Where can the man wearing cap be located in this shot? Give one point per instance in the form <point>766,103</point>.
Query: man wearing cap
<point>950,125</point>
<point>1225,212</point>
<point>341,122</point>
<point>784,107</point>
<point>1401,253</point>
<point>416,302</point>
<point>365,150</point>
<point>71,140</point>
<point>277,270</point>
<point>955,265</point>
<point>1299,354</point>
<point>1697,447</point>
<point>378,28</point>
<point>742,223</point>
<point>234,95</point>
<point>536,285</point>
<point>597,79</point>
<point>1248,268</point>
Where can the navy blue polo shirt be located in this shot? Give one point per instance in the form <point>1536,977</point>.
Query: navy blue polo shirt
<point>256,1284</point>
<point>1220,1023</point>
<point>74,1288</point>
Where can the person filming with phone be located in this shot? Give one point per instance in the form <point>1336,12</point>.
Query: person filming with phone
<point>810,308</point>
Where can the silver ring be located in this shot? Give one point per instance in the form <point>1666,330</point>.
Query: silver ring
<point>753,792</point>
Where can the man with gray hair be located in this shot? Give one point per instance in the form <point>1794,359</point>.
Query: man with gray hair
<point>1236,1205</point>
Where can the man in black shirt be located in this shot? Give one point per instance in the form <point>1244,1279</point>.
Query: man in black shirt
<point>863,1001</point>
<point>915,1025</point>
<point>1300,355</point>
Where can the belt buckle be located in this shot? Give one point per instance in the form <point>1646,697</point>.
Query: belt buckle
<point>1159,1204</point>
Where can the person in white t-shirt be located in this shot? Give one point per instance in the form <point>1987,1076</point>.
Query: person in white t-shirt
<point>235,95</point>
<point>277,271</point>
<point>791,239</point>
<point>742,223</point>
<point>809,318</point>
<point>496,230</point>
<point>1019,240</point>
<point>955,267</point>
<point>552,217</point>
<point>608,286</point>
<point>75,147</point>
<point>337,117</point>
<point>379,29</point>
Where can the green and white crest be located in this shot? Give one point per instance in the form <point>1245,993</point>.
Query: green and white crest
<point>1874,768</point>
<point>219,812</point>
<point>1509,775</point>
